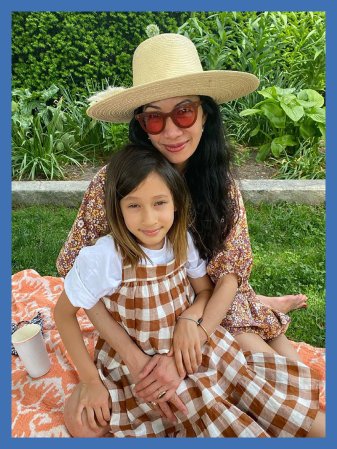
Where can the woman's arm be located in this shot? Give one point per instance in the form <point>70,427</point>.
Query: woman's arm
<point>203,289</point>
<point>89,224</point>
<point>218,305</point>
<point>186,337</point>
<point>134,358</point>
<point>235,254</point>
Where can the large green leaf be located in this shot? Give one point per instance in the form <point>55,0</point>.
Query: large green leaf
<point>255,131</point>
<point>49,93</point>
<point>275,92</point>
<point>287,140</point>
<point>321,127</point>
<point>263,152</point>
<point>309,129</point>
<point>309,98</point>
<point>317,114</point>
<point>15,106</point>
<point>269,92</point>
<point>276,149</point>
<point>246,112</point>
<point>292,108</point>
<point>281,92</point>
<point>275,114</point>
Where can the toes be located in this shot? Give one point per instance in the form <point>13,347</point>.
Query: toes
<point>302,297</point>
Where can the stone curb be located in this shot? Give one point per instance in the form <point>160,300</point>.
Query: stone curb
<point>70,193</point>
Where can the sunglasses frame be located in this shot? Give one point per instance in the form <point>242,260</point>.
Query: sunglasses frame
<point>141,116</point>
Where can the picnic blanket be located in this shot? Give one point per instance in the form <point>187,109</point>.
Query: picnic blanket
<point>37,404</point>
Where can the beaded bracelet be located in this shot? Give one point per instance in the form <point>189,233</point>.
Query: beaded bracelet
<point>198,323</point>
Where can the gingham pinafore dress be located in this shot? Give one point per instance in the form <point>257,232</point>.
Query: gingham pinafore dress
<point>231,395</point>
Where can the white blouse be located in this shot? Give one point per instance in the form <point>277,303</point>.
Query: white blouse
<point>97,270</point>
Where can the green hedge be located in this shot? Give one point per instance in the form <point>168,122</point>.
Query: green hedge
<point>70,47</point>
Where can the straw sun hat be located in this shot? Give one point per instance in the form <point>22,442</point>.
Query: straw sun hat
<point>166,66</point>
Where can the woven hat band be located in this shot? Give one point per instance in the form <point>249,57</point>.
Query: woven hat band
<point>152,60</point>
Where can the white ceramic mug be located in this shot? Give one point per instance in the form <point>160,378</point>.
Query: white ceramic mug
<point>30,346</point>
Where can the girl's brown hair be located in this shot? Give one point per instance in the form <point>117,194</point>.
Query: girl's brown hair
<point>126,170</point>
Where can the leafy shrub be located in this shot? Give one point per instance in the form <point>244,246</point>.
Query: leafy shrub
<point>283,48</point>
<point>96,139</point>
<point>289,119</point>
<point>307,163</point>
<point>41,146</point>
<point>50,129</point>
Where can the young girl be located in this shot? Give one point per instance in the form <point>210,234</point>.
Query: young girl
<point>143,271</point>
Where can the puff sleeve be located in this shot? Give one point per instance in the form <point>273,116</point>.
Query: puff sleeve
<point>97,271</point>
<point>235,254</point>
<point>90,223</point>
<point>195,266</point>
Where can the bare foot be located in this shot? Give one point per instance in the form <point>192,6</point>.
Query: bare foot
<point>284,303</point>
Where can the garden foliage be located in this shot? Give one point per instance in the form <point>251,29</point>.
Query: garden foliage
<point>61,58</point>
<point>69,48</point>
<point>293,117</point>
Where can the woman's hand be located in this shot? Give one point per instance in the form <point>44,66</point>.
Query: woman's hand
<point>141,365</point>
<point>186,346</point>
<point>160,375</point>
<point>94,398</point>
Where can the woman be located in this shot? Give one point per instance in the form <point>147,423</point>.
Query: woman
<point>173,108</point>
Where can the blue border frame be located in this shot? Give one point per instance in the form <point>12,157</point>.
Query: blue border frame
<point>5,197</point>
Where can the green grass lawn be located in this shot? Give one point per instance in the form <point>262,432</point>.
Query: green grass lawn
<point>288,243</point>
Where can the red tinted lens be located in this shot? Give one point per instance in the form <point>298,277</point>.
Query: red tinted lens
<point>153,123</point>
<point>182,116</point>
<point>185,115</point>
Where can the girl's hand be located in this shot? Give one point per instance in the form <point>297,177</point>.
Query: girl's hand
<point>95,400</point>
<point>186,346</point>
<point>160,375</point>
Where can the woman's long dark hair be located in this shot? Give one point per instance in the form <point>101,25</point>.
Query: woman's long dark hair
<point>209,180</point>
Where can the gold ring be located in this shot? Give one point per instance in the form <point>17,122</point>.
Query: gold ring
<point>154,404</point>
<point>162,394</point>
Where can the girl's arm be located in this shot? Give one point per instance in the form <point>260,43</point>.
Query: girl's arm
<point>117,337</point>
<point>186,338</point>
<point>94,397</point>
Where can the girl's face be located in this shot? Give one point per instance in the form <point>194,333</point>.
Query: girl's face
<point>148,211</point>
<point>177,144</point>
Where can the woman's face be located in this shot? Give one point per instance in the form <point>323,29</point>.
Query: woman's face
<point>176,144</point>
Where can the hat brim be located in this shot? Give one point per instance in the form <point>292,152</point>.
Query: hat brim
<point>222,86</point>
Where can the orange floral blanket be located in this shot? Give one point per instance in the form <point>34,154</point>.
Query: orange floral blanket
<point>37,404</point>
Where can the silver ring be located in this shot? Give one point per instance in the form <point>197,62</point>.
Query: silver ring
<point>162,394</point>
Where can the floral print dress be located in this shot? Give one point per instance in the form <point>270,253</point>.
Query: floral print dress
<point>246,313</point>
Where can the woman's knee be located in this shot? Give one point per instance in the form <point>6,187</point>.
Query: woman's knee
<point>253,342</point>
<point>318,427</point>
<point>83,430</point>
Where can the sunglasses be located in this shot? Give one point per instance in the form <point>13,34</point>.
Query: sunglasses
<point>183,116</point>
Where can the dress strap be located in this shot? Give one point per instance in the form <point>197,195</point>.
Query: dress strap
<point>149,272</point>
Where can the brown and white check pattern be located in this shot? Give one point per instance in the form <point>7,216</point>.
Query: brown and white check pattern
<point>232,395</point>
